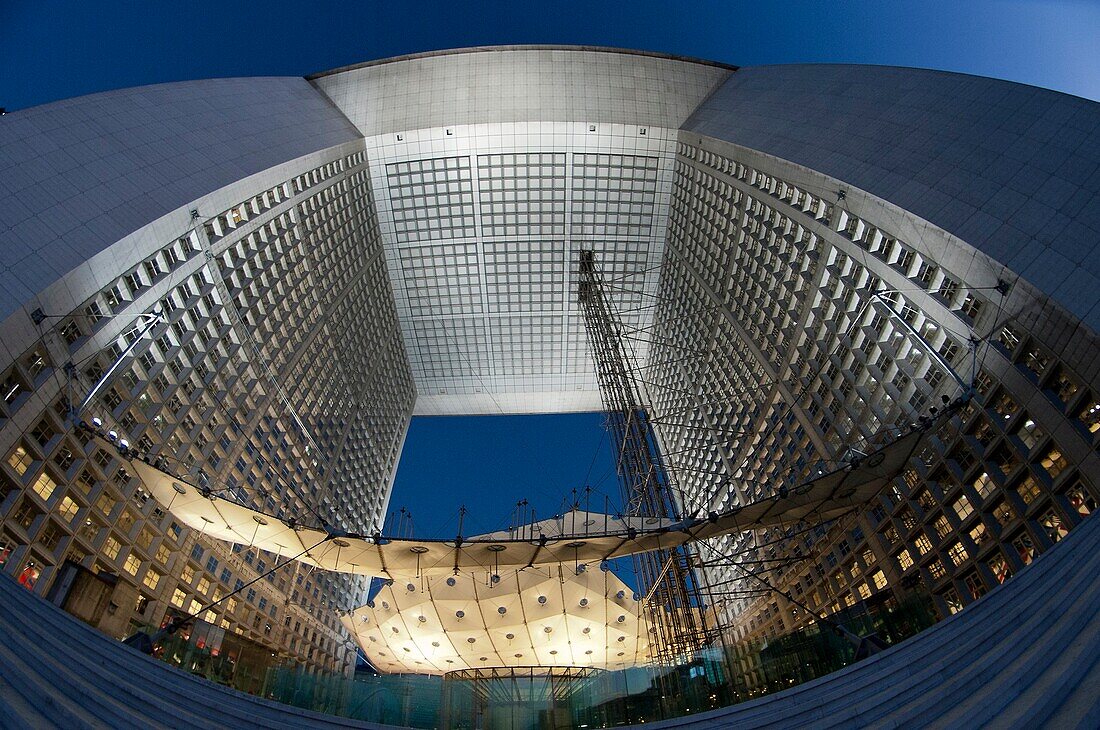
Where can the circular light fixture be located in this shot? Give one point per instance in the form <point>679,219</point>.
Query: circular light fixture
<point>460,614</point>
<point>502,610</point>
<point>620,619</point>
<point>435,644</point>
<point>509,636</point>
<point>471,640</point>
<point>547,629</point>
<point>584,602</point>
<point>419,549</point>
<point>451,582</point>
<point>542,600</point>
<point>410,587</point>
<point>422,619</point>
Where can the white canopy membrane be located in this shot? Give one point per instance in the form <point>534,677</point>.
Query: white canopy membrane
<point>534,617</point>
<point>576,537</point>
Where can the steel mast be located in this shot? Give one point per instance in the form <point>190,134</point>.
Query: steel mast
<point>672,599</point>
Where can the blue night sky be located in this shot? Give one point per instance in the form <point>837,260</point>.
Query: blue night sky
<point>53,49</point>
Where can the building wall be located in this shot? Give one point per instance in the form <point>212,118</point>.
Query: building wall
<point>82,174</point>
<point>493,168</point>
<point>770,280</point>
<point>1013,170</point>
<point>277,372</point>
<point>498,85</point>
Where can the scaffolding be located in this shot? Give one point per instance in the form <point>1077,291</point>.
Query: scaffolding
<point>672,602</point>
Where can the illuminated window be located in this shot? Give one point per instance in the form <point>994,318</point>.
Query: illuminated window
<point>44,486</point>
<point>1005,406</point>
<point>163,554</point>
<point>126,520</point>
<point>905,560</point>
<point>1025,548</point>
<point>957,553</point>
<point>999,567</point>
<point>1004,513</point>
<point>132,564</point>
<point>879,579</point>
<point>936,569</point>
<point>67,509</point>
<point>962,508</point>
<point>1053,462</point>
<point>1029,490</point>
<point>1090,416</point>
<point>942,526</point>
<point>111,547</point>
<point>975,586</point>
<point>105,504</point>
<point>952,601</point>
<point>20,460</point>
<point>1053,526</point>
<point>979,534</point>
<point>924,545</point>
<point>1064,386</point>
<point>1081,500</point>
<point>984,485</point>
<point>1030,434</point>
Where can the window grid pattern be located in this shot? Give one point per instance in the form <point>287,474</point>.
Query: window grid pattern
<point>306,273</point>
<point>829,367</point>
<point>522,194</point>
<point>613,195</point>
<point>431,199</point>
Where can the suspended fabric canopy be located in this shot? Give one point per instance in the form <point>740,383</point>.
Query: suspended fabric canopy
<point>576,537</point>
<point>535,617</point>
